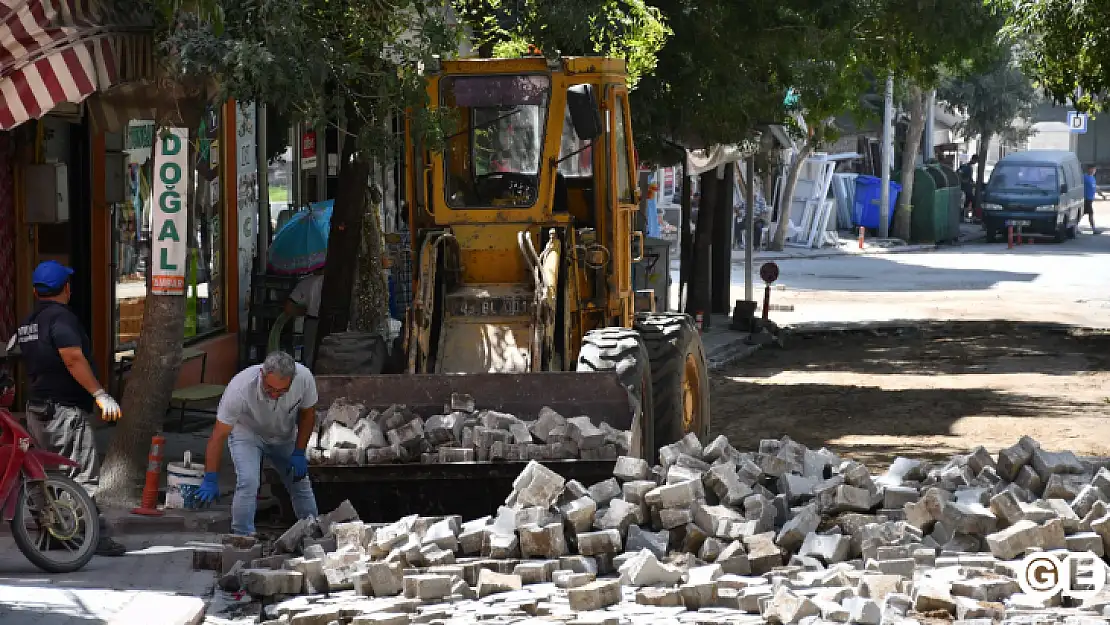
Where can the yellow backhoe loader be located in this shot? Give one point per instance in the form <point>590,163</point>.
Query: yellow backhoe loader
<point>524,239</point>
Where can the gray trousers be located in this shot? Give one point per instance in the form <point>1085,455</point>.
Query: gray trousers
<point>67,431</point>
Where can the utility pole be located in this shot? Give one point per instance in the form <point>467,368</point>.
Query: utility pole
<point>930,123</point>
<point>749,229</point>
<point>888,157</point>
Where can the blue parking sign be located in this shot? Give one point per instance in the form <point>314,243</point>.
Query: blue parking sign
<point>1077,122</point>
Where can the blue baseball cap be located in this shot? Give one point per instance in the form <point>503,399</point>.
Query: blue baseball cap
<point>50,275</point>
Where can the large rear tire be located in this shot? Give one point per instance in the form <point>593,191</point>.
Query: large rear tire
<point>679,376</point>
<point>622,351</point>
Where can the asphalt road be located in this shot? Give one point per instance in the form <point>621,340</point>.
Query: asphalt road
<point>1043,282</point>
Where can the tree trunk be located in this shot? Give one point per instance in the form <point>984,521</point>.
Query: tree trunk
<point>787,198</point>
<point>903,216</point>
<point>723,220</point>
<point>151,379</point>
<point>686,242</point>
<point>344,239</point>
<point>701,269</point>
<point>371,287</point>
<point>980,172</point>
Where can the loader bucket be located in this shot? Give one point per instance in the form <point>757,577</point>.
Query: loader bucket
<point>383,493</point>
<point>597,395</point>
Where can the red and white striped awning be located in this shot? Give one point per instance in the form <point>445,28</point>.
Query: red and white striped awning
<point>59,51</point>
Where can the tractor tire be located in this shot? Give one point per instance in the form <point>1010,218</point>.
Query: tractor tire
<point>622,351</point>
<point>350,353</point>
<point>679,376</point>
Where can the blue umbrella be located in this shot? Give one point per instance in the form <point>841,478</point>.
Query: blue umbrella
<point>301,245</point>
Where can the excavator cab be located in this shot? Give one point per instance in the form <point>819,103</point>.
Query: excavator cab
<point>524,231</point>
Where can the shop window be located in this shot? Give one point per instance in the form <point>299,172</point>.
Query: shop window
<point>204,280</point>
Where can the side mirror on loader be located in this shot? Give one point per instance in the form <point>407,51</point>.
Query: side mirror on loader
<point>584,113</point>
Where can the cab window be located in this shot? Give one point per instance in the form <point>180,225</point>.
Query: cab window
<point>620,134</point>
<point>493,159</point>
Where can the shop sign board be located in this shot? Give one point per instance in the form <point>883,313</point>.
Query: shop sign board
<point>308,150</point>
<point>169,219</point>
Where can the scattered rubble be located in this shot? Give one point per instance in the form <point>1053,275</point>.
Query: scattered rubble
<point>785,534</point>
<point>351,434</point>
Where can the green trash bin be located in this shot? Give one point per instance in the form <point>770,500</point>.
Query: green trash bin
<point>929,220</point>
<point>955,201</point>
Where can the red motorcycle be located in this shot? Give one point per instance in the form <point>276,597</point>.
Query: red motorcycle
<point>53,518</point>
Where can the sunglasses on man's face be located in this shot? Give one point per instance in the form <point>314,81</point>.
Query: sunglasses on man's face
<point>276,390</point>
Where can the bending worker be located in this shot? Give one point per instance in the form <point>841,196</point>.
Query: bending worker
<point>268,411</point>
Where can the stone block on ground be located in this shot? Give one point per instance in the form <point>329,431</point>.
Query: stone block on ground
<point>639,539</point>
<point>644,569</point>
<point>1047,463</point>
<point>618,516</point>
<point>733,560</point>
<point>537,485</point>
<point>763,553</point>
<point>828,548</point>
<point>595,595</point>
<point>579,514</point>
<point>660,597</point>
<point>600,542</point>
<point>844,498</point>
<point>268,582</point>
<point>605,491</point>
<point>675,495</point>
<point>427,587</point>
<point>725,483</point>
<point>547,541</point>
<point>789,608</point>
<point>570,579</point>
<point>1011,460</point>
<point>795,530</point>
<point>490,582</point>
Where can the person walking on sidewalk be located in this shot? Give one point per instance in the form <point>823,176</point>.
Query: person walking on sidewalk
<point>966,174</point>
<point>268,411</point>
<point>1090,189</point>
<point>57,353</point>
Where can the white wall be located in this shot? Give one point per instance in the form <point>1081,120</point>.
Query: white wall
<point>1050,136</point>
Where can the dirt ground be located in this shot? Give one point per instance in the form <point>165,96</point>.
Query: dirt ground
<point>926,393</point>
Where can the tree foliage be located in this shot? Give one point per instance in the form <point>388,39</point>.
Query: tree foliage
<point>628,29</point>
<point>992,96</point>
<point>1065,44</point>
<point>357,63</point>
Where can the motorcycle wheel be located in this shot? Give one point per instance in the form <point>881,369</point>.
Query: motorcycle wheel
<point>71,530</point>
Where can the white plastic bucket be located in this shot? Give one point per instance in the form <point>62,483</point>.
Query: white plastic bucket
<point>182,481</point>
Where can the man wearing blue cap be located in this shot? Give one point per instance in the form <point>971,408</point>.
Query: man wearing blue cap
<point>57,354</point>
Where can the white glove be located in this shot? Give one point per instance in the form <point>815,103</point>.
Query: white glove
<point>109,407</point>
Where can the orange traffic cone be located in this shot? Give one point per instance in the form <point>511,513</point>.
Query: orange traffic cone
<point>153,475</point>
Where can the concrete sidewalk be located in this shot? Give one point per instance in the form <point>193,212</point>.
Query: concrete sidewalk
<point>153,583</point>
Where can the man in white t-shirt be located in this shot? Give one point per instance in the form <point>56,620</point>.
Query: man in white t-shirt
<point>305,301</point>
<point>268,411</point>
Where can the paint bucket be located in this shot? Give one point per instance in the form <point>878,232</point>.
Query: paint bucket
<point>182,482</point>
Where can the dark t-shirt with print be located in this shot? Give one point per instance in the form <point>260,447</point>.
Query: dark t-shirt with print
<point>53,326</point>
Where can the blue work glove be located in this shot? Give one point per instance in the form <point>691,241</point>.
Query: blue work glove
<point>299,464</point>
<point>210,488</point>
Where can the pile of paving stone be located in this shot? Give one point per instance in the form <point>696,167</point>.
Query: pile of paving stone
<point>351,434</point>
<point>712,535</point>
